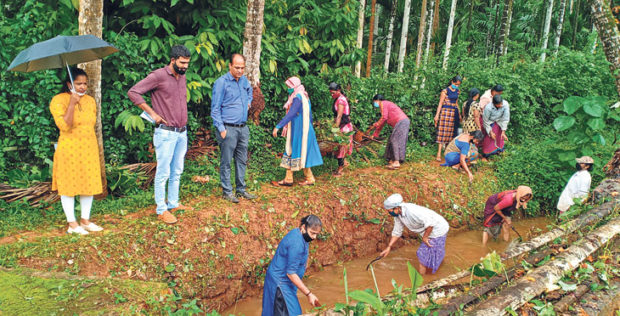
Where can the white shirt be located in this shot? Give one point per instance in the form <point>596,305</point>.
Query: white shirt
<point>578,186</point>
<point>417,219</point>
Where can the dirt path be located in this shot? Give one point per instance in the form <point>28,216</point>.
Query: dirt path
<point>219,252</point>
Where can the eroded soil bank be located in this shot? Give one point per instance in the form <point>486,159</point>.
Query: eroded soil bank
<point>463,249</point>
<point>219,252</point>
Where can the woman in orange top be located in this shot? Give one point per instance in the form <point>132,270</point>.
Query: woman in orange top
<point>76,168</point>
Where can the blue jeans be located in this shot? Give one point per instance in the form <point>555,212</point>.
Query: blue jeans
<point>170,148</point>
<point>235,145</point>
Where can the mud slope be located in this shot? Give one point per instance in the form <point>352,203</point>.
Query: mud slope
<point>218,253</point>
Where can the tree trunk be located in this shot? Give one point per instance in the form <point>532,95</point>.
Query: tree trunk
<point>496,24</point>
<point>403,36</point>
<point>544,277</point>
<point>575,22</point>
<point>456,303</point>
<point>252,37</point>
<point>435,26</point>
<point>418,57</point>
<point>571,297</point>
<point>545,39</point>
<point>431,17</point>
<point>90,21</point>
<point>570,7</point>
<point>610,36</point>
<point>558,31</point>
<point>370,36</point>
<point>376,27</point>
<point>449,35</point>
<point>505,31</point>
<point>488,41</point>
<point>586,219</point>
<point>360,34</point>
<point>390,37</point>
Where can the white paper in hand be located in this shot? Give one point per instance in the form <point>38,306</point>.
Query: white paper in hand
<point>147,117</point>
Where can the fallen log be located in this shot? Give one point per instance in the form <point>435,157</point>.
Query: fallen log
<point>571,297</point>
<point>586,219</point>
<point>475,293</point>
<point>605,302</point>
<point>538,280</point>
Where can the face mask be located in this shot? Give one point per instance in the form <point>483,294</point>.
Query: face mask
<point>307,237</point>
<point>290,90</point>
<point>335,95</point>
<point>375,104</point>
<point>455,87</point>
<point>178,70</point>
<point>78,93</point>
<point>392,213</point>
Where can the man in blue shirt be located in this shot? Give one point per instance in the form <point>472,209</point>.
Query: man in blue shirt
<point>232,96</point>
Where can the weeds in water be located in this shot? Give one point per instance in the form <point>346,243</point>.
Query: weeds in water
<point>397,303</point>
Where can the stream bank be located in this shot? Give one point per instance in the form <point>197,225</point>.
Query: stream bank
<point>463,248</point>
<point>218,253</point>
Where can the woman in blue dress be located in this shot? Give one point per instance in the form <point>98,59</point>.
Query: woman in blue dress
<point>462,151</point>
<point>287,268</point>
<point>302,150</point>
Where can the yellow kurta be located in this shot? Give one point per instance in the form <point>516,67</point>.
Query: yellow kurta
<point>76,168</point>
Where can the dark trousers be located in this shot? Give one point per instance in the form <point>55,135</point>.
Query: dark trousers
<point>279,305</point>
<point>235,145</point>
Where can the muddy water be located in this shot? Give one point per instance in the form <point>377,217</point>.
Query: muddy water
<point>462,250</point>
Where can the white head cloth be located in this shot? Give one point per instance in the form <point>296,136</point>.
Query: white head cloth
<point>393,201</point>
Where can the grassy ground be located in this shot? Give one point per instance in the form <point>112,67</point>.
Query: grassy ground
<point>31,292</point>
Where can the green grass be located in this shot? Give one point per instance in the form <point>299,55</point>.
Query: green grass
<point>24,292</point>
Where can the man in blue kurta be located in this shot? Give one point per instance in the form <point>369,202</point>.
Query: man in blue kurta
<point>231,99</point>
<point>286,270</point>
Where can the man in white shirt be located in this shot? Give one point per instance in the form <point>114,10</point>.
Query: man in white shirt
<point>432,227</point>
<point>578,185</point>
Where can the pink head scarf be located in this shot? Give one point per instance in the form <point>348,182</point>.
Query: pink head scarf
<point>295,83</point>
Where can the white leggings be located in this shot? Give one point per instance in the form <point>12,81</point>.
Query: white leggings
<point>68,205</point>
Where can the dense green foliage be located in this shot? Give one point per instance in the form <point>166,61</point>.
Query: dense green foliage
<point>584,122</point>
<point>313,39</point>
<point>535,163</point>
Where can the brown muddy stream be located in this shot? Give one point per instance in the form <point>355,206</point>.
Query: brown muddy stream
<point>462,250</point>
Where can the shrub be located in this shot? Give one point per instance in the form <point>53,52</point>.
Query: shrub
<point>534,163</point>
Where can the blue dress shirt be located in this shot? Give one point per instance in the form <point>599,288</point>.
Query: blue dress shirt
<point>230,101</point>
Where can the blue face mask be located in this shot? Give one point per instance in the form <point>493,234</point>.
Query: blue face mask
<point>375,104</point>
<point>392,213</point>
<point>290,90</point>
<point>455,87</point>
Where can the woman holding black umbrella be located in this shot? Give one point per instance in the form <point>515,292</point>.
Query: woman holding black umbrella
<point>76,168</point>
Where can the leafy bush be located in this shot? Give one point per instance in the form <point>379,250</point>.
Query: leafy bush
<point>294,44</point>
<point>534,163</point>
<point>585,123</point>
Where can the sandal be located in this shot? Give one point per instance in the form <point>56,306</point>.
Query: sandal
<point>281,183</point>
<point>393,167</point>
<point>306,182</point>
<point>338,172</point>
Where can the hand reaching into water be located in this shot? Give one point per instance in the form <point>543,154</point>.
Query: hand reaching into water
<point>385,251</point>
<point>313,300</point>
